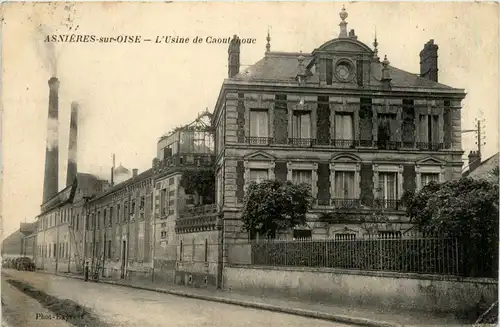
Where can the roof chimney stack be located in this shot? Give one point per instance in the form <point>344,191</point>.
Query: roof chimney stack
<point>73,145</point>
<point>234,57</point>
<point>429,61</point>
<point>51,177</point>
<point>134,172</point>
<point>474,160</point>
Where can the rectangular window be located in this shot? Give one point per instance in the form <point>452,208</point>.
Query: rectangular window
<point>429,177</point>
<point>301,125</point>
<point>105,218</point>
<point>181,250</point>
<point>132,207</point>
<point>141,205</point>
<point>302,176</point>
<point>163,234</point>
<point>109,249</point>
<point>163,202</point>
<point>206,250</point>
<point>344,130</point>
<point>259,123</point>
<point>388,126</point>
<point>118,213</point>
<point>54,252</point>
<point>429,128</point>
<point>344,185</point>
<point>126,214</point>
<point>258,175</point>
<point>387,186</point>
<point>111,219</point>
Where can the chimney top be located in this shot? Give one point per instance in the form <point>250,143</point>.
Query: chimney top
<point>429,61</point>
<point>53,82</point>
<point>134,172</point>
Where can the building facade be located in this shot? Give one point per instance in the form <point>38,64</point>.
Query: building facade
<point>359,131</point>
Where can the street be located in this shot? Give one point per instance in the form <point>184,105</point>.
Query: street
<point>121,306</point>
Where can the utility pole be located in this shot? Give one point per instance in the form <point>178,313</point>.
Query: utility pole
<point>480,139</point>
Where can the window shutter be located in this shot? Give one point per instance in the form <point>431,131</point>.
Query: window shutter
<point>409,176</point>
<point>240,181</point>
<point>323,121</point>
<point>323,183</point>
<point>366,175</point>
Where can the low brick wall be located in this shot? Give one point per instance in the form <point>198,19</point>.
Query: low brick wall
<point>429,293</point>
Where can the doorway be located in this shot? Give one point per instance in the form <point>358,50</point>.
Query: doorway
<point>124,254</point>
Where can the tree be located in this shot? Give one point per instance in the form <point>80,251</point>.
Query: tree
<point>466,208</point>
<point>271,206</point>
<point>201,183</point>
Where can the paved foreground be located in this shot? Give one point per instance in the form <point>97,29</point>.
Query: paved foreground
<point>19,309</point>
<point>120,306</point>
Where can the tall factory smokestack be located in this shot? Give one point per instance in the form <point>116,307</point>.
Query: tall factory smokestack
<point>50,183</point>
<point>72,148</point>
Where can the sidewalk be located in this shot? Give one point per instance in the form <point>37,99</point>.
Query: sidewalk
<point>348,315</point>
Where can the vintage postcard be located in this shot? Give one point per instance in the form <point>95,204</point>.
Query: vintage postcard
<point>249,164</point>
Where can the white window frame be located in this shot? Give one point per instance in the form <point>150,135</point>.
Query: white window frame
<point>428,169</point>
<point>388,168</point>
<point>248,164</point>
<point>266,110</point>
<point>313,167</point>
<point>348,167</point>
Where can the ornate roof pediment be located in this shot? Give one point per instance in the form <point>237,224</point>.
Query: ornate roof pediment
<point>344,45</point>
<point>345,157</point>
<point>430,161</point>
<point>259,155</point>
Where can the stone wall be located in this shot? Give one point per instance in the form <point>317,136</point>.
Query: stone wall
<point>385,291</point>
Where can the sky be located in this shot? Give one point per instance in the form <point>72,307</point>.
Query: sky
<point>131,94</point>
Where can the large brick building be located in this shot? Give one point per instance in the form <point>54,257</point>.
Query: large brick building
<point>359,131</point>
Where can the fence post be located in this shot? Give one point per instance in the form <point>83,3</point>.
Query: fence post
<point>327,263</point>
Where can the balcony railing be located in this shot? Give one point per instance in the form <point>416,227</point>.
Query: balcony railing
<point>185,160</point>
<point>352,203</point>
<point>345,203</point>
<point>430,146</point>
<point>345,144</point>
<point>257,140</point>
<point>350,144</point>
<point>300,142</point>
<point>389,204</point>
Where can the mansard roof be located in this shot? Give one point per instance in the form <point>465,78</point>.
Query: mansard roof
<point>282,67</point>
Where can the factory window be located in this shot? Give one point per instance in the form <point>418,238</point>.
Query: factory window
<point>152,200</point>
<point>163,225</point>
<point>125,211</point>
<point>111,216</point>
<point>132,207</point>
<point>118,213</point>
<point>141,205</point>
<point>163,234</point>
<point>163,202</point>
<point>54,250</point>
<point>206,250</point>
<point>171,212</point>
<point>180,251</point>
<point>109,249</point>
<point>105,220</point>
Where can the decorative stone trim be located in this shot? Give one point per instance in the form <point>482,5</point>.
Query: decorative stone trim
<point>269,165</point>
<point>427,169</point>
<point>313,167</point>
<point>386,168</point>
<point>346,166</point>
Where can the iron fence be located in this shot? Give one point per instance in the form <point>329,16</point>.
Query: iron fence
<point>407,253</point>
